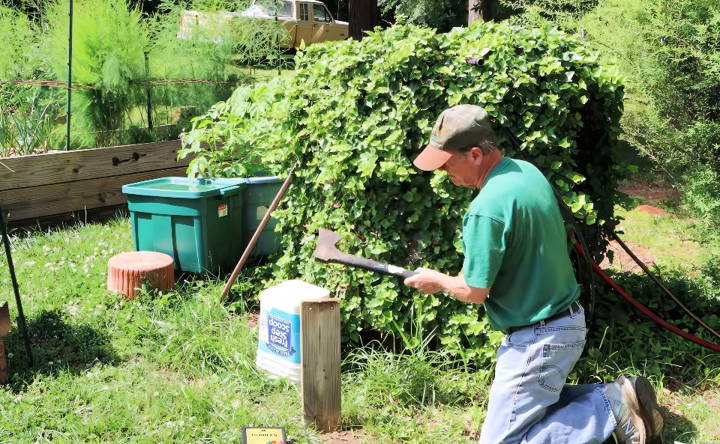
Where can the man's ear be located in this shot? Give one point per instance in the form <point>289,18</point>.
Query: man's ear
<point>477,155</point>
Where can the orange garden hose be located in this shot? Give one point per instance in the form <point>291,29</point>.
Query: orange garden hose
<point>643,309</point>
<point>662,286</point>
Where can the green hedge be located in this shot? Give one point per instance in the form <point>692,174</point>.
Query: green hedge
<point>354,114</point>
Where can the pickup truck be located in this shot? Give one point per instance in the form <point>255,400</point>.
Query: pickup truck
<point>306,21</point>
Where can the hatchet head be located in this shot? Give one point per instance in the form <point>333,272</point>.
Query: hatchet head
<point>326,249</point>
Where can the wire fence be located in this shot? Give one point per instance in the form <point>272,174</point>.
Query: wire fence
<point>147,82</point>
<point>30,119</point>
<point>151,123</point>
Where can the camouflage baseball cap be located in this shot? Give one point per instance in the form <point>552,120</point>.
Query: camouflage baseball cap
<point>457,129</point>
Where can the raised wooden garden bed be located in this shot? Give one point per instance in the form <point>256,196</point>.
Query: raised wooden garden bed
<point>35,187</point>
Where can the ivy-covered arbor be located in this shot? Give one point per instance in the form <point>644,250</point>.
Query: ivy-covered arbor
<point>354,114</point>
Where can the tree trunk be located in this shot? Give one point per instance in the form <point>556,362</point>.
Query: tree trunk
<point>481,9</point>
<point>363,17</point>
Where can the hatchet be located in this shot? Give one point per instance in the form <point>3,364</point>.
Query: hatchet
<point>327,251</point>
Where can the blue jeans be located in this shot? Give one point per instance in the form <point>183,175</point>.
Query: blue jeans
<point>529,400</point>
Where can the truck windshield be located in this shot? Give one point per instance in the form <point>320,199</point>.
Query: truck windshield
<point>281,8</point>
<point>286,9</point>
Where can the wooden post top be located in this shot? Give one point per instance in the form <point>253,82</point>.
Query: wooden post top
<point>321,301</point>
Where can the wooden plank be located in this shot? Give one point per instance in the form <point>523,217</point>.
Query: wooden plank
<point>84,216</point>
<point>43,169</point>
<point>320,363</point>
<point>59,198</point>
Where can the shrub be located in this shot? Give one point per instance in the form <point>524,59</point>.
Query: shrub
<point>615,345</point>
<point>702,193</point>
<point>108,55</point>
<point>687,38</point>
<point>354,114</point>
<point>26,111</point>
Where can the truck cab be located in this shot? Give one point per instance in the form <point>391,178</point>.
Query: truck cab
<point>314,23</point>
<point>307,21</point>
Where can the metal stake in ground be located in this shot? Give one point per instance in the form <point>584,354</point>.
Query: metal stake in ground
<point>68,114</point>
<point>11,267</point>
<point>256,236</point>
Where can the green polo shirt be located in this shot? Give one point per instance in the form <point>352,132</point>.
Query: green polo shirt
<point>515,243</point>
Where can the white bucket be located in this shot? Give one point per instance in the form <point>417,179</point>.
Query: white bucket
<point>279,327</point>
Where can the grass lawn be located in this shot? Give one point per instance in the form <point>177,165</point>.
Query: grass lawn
<point>671,241</point>
<point>179,367</point>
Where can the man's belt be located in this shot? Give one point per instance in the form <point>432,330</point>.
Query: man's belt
<point>572,308</point>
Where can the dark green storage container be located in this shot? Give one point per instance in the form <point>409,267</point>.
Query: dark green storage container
<point>258,194</point>
<point>203,223</point>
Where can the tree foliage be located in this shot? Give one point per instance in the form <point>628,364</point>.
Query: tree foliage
<point>670,54</point>
<point>553,10</point>
<point>354,114</point>
<point>438,14</point>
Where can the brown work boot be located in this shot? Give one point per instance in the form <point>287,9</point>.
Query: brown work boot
<point>625,406</point>
<point>649,408</point>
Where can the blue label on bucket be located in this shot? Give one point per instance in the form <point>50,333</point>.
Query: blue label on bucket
<point>282,336</point>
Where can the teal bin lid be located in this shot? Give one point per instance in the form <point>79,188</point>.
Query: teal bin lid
<point>184,188</point>
<point>261,180</point>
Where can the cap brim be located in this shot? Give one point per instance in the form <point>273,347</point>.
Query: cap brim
<point>431,159</point>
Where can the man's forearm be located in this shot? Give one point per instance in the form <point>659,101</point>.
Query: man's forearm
<point>431,281</point>
<point>456,287</point>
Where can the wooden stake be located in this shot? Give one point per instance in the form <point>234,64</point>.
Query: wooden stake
<point>320,351</point>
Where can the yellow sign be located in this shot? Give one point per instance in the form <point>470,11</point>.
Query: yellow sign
<point>263,435</point>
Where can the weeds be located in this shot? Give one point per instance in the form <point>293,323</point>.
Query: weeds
<point>26,112</point>
<point>26,124</point>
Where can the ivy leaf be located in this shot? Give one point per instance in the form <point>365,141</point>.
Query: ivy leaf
<point>367,164</point>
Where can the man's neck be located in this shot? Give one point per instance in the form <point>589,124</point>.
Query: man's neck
<point>490,161</point>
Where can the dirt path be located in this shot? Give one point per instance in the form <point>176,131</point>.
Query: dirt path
<point>624,262</point>
<point>652,192</point>
<point>343,437</point>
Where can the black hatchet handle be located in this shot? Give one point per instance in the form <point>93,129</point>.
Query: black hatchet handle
<point>369,264</point>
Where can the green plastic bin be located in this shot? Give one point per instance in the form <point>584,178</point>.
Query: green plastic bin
<point>204,224</point>
<point>197,222</point>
